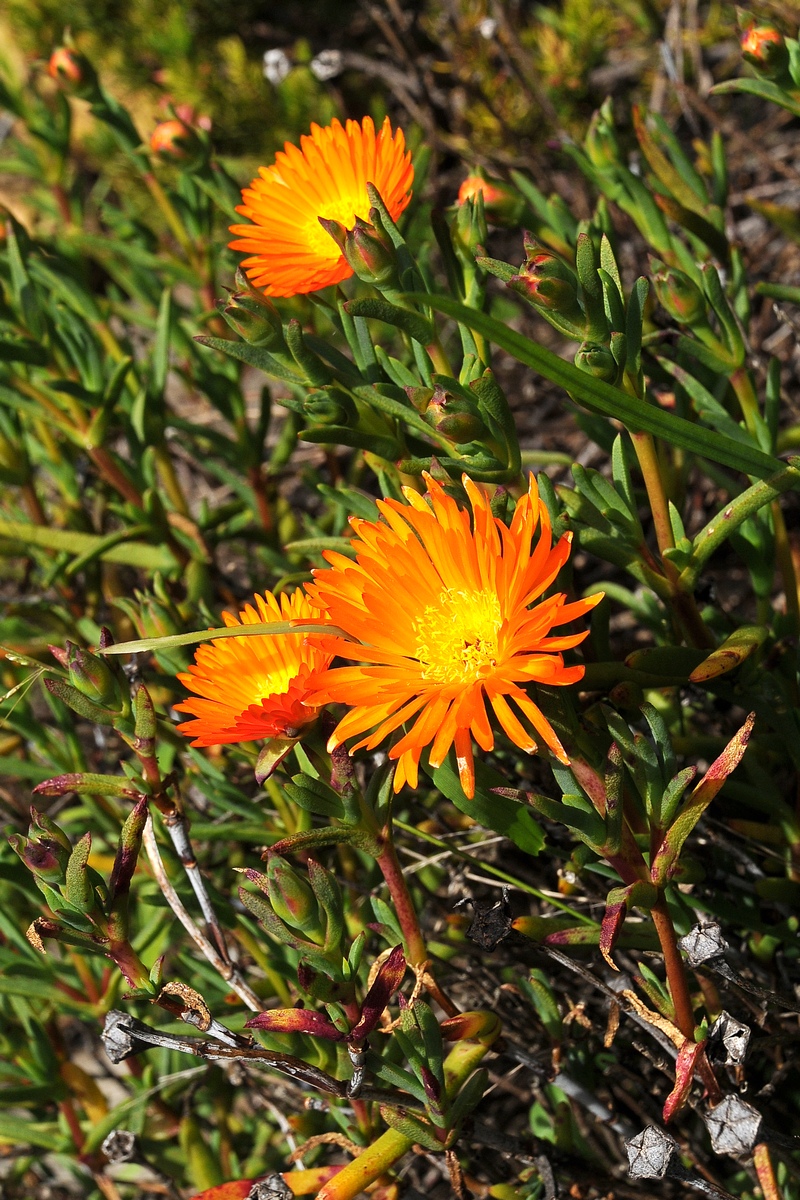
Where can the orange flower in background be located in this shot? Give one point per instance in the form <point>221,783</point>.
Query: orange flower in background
<point>446,617</point>
<point>765,47</point>
<point>327,177</point>
<point>475,185</point>
<point>170,139</point>
<point>253,687</point>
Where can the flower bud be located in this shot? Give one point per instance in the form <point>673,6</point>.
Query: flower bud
<point>502,203</point>
<point>764,47</point>
<point>678,294</point>
<point>469,230</point>
<point>601,142</point>
<point>597,361</point>
<point>254,323</point>
<point>296,1020</point>
<point>153,615</point>
<point>93,677</point>
<point>330,406</point>
<point>454,416</point>
<point>292,899</point>
<point>371,256</point>
<point>72,71</point>
<point>549,283</point>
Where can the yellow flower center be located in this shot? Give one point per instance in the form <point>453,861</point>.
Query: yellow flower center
<point>344,209</point>
<point>457,638</point>
<point>275,683</point>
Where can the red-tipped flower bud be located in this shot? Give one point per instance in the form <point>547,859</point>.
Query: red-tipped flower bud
<point>678,294</point>
<point>456,417</point>
<point>550,284</point>
<point>502,203</point>
<point>296,1020</point>
<point>293,900</point>
<point>368,252</point>
<point>93,677</point>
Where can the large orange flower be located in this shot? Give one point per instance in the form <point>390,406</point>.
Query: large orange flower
<point>327,177</point>
<point>253,687</point>
<point>444,616</point>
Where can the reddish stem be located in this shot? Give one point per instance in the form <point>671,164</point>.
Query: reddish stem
<point>115,476</point>
<point>676,972</point>
<point>71,1117</point>
<point>33,504</point>
<point>389,864</point>
<point>257,482</point>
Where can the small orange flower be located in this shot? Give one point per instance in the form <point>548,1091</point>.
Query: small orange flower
<point>253,687</point>
<point>764,46</point>
<point>327,177</point>
<point>502,204</point>
<point>444,616</point>
<point>476,185</point>
<point>170,139</point>
<point>66,66</point>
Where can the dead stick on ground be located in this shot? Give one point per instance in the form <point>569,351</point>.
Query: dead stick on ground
<point>226,969</point>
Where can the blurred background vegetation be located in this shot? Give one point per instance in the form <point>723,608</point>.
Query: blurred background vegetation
<point>490,78</point>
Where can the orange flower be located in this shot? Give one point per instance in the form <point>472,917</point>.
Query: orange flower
<point>327,177</point>
<point>253,687</point>
<point>446,620</point>
<point>170,139</point>
<point>502,204</point>
<point>764,47</point>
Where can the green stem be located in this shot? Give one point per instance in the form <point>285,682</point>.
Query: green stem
<point>786,566</point>
<point>392,1145</point>
<point>441,362</point>
<point>170,215</point>
<point>645,448</point>
<point>743,388</point>
<point>720,527</point>
<point>683,602</point>
<point>742,385</point>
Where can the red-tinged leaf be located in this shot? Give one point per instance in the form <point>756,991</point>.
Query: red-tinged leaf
<point>296,1020</point>
<point>666,858</point>
<point>130,844</point>
<point>618,904</point>
<point>591,783</point>
<point>86,784</point>
<point>386,983</point>
<point>312,840</point>
<point>433,1089</point>
<point>733,651</point>
<point>301,1183</point>
<point>237,1189</point>
<point>271,756</point>
<point>613,920</point>
<point>477,1025</point>
<point>684,1074</point>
